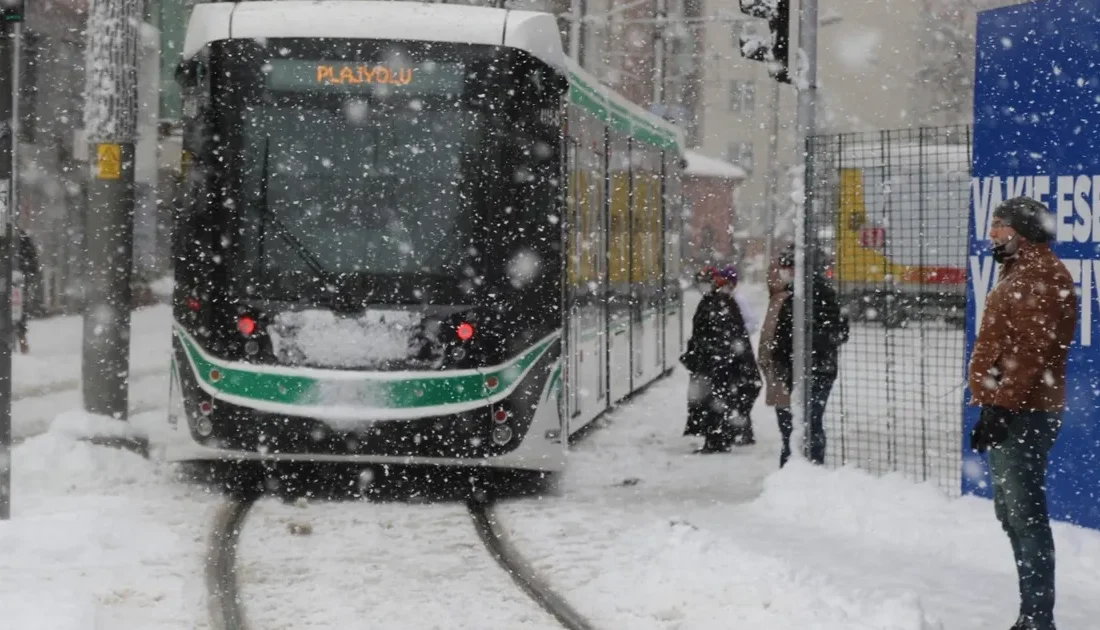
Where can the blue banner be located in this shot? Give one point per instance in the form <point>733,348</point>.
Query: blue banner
<point>1037,133</point>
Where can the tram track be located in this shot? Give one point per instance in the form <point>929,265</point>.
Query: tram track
<point>228,611</point>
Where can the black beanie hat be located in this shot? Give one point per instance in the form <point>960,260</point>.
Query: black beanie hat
<point>1027,216</point>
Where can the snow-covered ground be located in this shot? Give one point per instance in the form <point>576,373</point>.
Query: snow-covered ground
<point>897,403</point>
<point>100,538</point>
<point>47,379</point>
<point>643,535</point>
<point>55,343</point>
<point>380,565</point>
<point>647,535</point>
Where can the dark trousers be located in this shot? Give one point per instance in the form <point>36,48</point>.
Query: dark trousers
<point>1018,467</point>
<point>821,385</point>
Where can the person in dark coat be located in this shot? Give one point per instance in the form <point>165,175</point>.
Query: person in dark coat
<point>27,264</point>
<point>830,332</point>
<point>725,380</point>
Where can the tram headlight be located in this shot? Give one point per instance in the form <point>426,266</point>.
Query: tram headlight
<point>502,434</point>
<point>204,427</point>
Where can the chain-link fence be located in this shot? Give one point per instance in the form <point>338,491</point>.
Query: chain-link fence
<point>891,208</point>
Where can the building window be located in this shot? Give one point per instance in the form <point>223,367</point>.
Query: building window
<point>742,96</point>
<point>740,153</point>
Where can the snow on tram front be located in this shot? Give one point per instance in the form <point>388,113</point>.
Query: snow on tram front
<point>368,261</point>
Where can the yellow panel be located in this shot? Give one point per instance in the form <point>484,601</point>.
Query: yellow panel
<point>635,228</point>
<point>594,191</point>
<point>655,229</point>
<point>585,236</point>
<point>619,246</point>
<point>854,262</point>
<point>570,245</point>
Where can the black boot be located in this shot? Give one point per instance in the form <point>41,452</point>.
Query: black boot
<point>747,438</point>
<point>1027,623</point>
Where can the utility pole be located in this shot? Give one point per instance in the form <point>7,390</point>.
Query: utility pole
<point>10,17</point>
<point>806,82</point>
<point>110,121</point>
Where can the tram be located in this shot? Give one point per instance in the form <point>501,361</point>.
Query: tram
<point>412,234</point>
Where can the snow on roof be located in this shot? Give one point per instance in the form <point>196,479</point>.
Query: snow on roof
<point>703,166</point>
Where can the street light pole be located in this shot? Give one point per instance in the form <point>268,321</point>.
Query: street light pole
<point>806,82</point>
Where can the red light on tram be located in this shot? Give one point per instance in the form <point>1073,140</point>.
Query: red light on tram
<point>194,304</point>
<point>465,331</point>
<point>246,325</point>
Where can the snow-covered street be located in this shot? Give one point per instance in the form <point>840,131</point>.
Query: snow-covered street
<point>643,534</point>
<point>100,538</point>
<point>400,566</point>
<point>648,535</point>
<point>48,378</point>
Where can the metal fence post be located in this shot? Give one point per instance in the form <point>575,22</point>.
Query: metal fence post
<point>8,137</point>
<point>806,82</point>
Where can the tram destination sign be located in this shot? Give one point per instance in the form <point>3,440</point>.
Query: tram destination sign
<point>429,78</point>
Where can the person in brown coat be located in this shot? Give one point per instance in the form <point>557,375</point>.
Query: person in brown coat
<point>1018,378</point>
<point>776,370</point>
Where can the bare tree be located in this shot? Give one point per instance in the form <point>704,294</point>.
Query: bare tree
<point>944,88</point>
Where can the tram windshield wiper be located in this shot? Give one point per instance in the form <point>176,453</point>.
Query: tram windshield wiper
<point>285,233</point>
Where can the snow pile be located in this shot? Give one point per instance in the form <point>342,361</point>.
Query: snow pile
<point>98,538</point>
<point>695,578</point>
<point>700,165</point>
<point>323,339</point>
<point>60,463</point>
<point>850,503</point>
<point>78,425</point>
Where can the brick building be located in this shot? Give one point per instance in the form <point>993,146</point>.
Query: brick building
<point>708,188</point>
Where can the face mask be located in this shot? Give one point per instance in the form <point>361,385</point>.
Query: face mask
<point>1002,252</point>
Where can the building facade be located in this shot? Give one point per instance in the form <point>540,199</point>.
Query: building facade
<point>52,149</point>
<point>882,64</point>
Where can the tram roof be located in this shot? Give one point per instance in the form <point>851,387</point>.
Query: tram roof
<point>534,32</point>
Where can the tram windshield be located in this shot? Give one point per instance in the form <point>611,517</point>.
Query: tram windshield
<point>365,170</point>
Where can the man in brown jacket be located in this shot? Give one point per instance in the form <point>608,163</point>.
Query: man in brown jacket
<point>1018,377</point>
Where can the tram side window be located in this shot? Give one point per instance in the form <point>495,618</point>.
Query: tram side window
<point>619,219</point>
<point>643,170</point>
<point>588,135</point>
